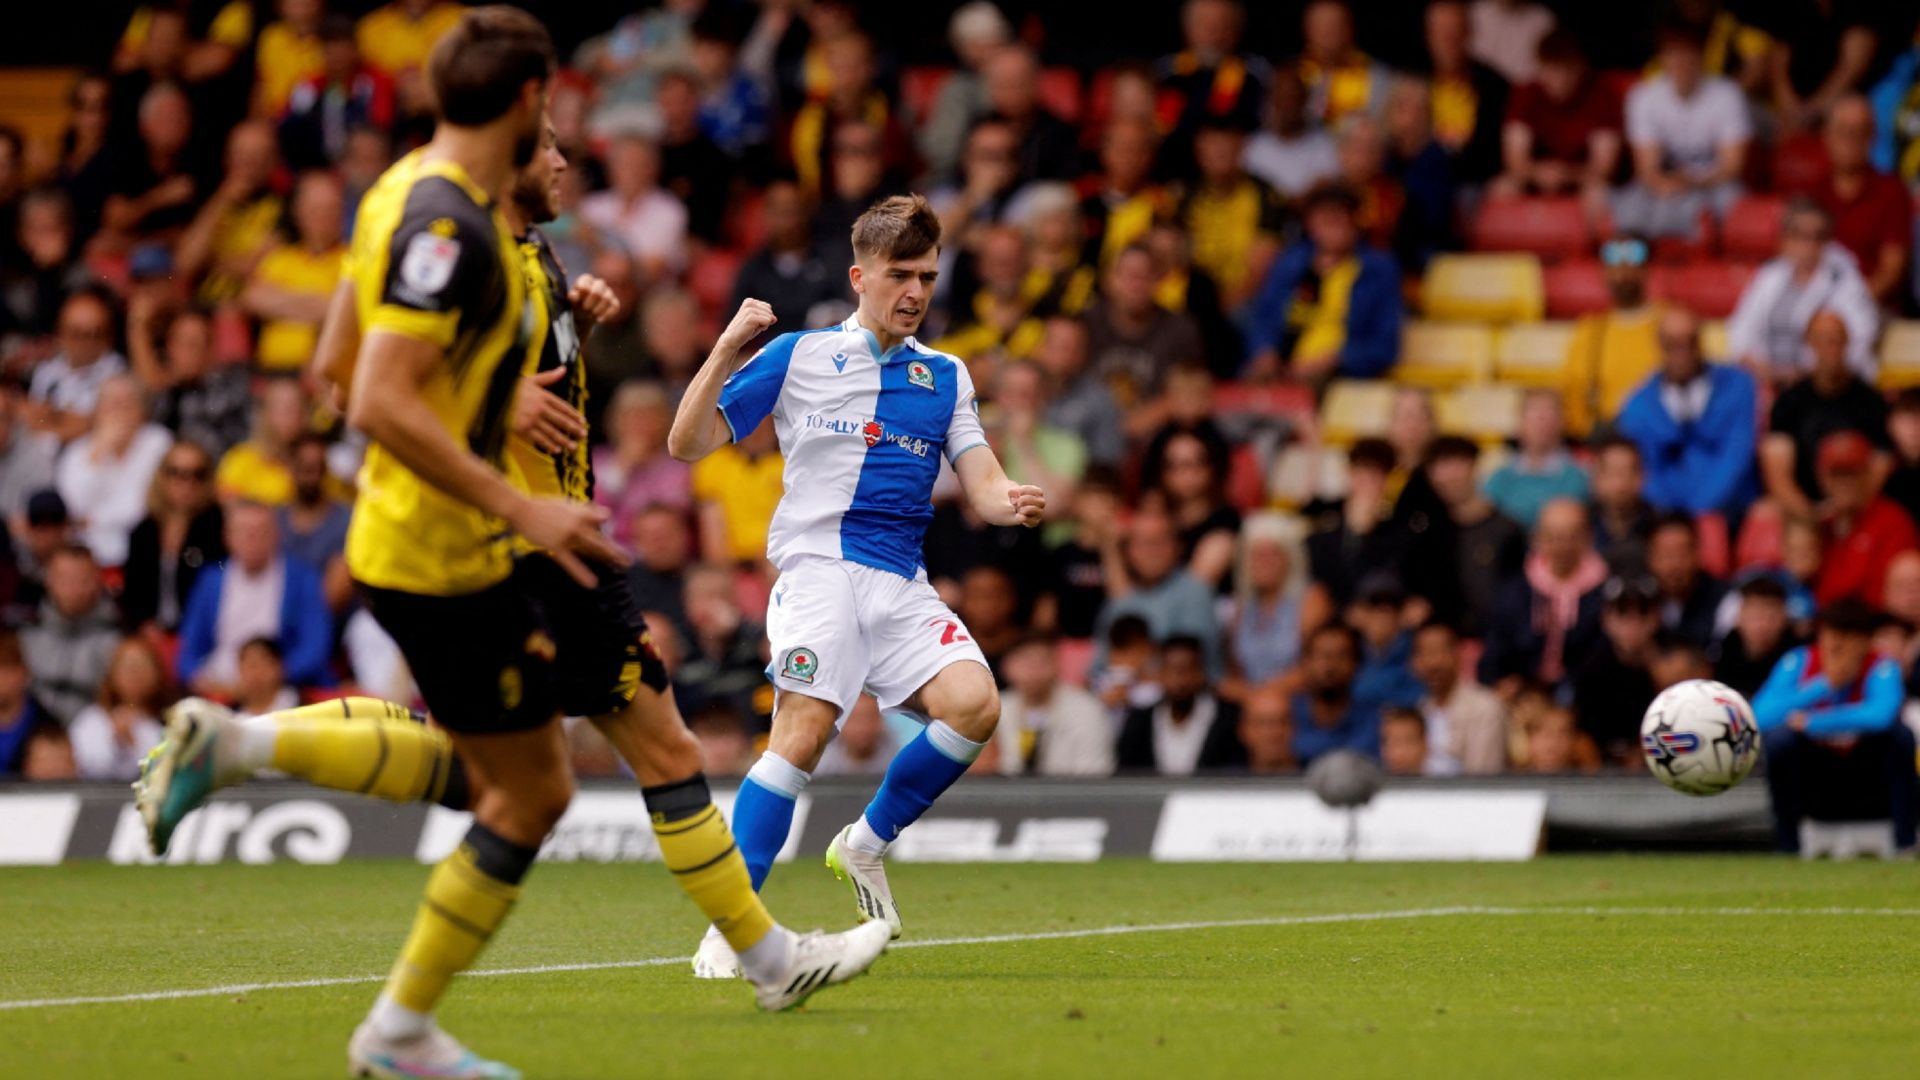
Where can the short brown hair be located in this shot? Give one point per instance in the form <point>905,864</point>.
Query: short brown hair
<point>476,71</point>
<point>899,227</point>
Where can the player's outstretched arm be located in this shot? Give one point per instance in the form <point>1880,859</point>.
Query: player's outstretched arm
<point>386,404</point>
<point>997,499</point>
<point>699,428</point>
<point>338,345</point>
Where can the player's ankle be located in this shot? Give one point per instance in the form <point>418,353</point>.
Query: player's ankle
<point>861,837</point>
<point>768,959</point>
<point>392,1020</point>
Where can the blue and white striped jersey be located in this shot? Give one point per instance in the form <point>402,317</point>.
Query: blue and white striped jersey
<point>862,433</point>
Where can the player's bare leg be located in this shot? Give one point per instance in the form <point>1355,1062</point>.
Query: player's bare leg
<point>964,707</point>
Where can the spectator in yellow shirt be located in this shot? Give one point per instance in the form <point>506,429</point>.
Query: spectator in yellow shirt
<point>396,39</point>
<point>735,490</point>
<point>1613,351</point>
<point>288,291</point>
<point>288,54</point>
<point>236,227</point>
<point>260,470</point>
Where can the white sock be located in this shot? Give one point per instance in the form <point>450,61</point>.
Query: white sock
<point>392,1020</point>
<point>862,837</point>
<point>246,748</point>
<point>769,957</point>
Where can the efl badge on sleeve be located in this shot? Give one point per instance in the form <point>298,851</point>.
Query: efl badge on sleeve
<point>919,374</point>
<point>428,264</point>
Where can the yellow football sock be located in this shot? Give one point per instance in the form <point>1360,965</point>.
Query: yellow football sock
<point>463,906</point>
<point>697,846</point>
<point>364,745</point>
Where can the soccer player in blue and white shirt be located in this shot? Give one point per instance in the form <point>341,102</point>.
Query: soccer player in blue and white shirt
<point>864,413</point>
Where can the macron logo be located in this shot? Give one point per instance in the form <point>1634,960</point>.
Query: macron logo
<point>840,362</point>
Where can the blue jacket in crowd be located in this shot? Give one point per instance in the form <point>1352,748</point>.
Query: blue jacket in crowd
<point>306,629</point>
<point>1373,310</point>
<point>1870,703</point>
<point>1702,465</point>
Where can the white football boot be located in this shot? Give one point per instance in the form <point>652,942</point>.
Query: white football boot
<point>434,1054</point>
<point>867,874</point>
<point>715,959</point>
<point>821,960</point>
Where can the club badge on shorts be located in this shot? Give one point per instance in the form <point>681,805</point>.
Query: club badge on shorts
<point>919,374</point>
<point>800,665</point>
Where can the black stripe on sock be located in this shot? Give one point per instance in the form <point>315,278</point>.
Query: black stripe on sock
<point>379,761</point>
<point>678,800</point>
<point>498,857</point>
<point>688,827</point>
<point>731,848</point>
<point>458,922</point>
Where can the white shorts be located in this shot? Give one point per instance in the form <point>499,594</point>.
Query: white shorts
<point>837,627</point>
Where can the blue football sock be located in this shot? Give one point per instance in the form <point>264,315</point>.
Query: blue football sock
<point>922,769</point>
<point>763,812</point>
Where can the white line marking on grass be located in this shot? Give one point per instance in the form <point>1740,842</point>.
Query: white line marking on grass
<point>1003,939</point>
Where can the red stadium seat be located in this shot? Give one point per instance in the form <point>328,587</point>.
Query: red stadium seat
<point>1716,545</point>
<point>920,88</point>
<point>1248,399</point>
<point>1552,228</point>
<point>1060,93</point>
<point>1246,482</point>
<point>1709,289</point>
<point>1576,288</point>
<point>710,279</point>
<point>1763,538</point>
<point>1751,232</point>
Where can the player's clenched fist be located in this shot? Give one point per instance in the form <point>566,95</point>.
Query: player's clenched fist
<point>593,299</point>
<point>1029,504</point>
<point>753,317</point>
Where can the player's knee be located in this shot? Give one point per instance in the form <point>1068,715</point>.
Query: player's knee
<point>976,711</point>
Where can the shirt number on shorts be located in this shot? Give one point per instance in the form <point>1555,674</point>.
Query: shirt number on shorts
<point>950,631</point>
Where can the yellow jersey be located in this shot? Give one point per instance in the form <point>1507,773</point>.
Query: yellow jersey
<point>433,259</point>
<point>392,42</point>
<point>555,343</point>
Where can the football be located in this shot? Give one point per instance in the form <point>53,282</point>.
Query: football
<point>1700,737</point>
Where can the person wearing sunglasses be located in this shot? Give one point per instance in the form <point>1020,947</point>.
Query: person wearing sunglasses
<point>182,534</point>
<point>1613,351</point>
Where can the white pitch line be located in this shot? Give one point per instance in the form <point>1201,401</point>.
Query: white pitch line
<point>1000,939</point>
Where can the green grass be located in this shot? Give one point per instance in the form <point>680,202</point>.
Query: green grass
<point>1613,994</point>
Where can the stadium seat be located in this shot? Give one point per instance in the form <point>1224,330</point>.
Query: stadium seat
<point>1533,354</point>
<point>1552,228</point>
<point>1493,288</point>
<point>1252,399</point>
<point>1059,92</point>
<point>1709,289</point>
<point>1302,473</point>
<point>1900,355</point>
<point>920,88</point>
<point>1716,543</point>
<point>710,279</point>
<point>1713,339</point>
<point>1440,355</point>
<point>1576,288</point>
<point>1485,413</point>
<point>1751,232</point>
<point>1246,487</point>
<point>1354,409</point>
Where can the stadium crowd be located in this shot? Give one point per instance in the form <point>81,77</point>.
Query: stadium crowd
<point>1445,411</point>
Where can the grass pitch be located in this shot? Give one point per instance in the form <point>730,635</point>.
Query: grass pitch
<point>1705,967</point>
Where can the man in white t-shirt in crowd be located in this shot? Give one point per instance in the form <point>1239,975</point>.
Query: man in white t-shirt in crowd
<point>1689,134</point>
<point>105,473</point>
<point>63,391</point>
<point>649,220</point>
<point>1049,727</point>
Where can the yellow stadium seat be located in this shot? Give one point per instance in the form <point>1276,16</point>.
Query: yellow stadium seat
<point>1533,354</point>
<point>1713,340</point>
<point>1355,409</point>
<point>1487,413</point>
<point>1494,288</point>
<point>1900,355</point>
<point>1439,355</point>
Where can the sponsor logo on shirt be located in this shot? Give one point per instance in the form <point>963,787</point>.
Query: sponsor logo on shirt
<point>873,432</point>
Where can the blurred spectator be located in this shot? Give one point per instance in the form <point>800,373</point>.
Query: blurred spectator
<point>1403,741</point>
<point>1380,199</point>
<point>1420,166</point>
<point>864,745</point>
<point>262,686</point>
<point>183,533</point>
<point>735,104</point>
<point>1266,730</point>
<point>1543,623</point>
<point>397,38</point>
<point>650,222</point>
<point>1385,677</point>
<point>616,350</point>
<point>990,607</point>
<point>1185,476</point>
<point>1872,212</point>
<point>976,31</point>
<point>1329,306</point>
<point>1622,520</point>
<point>786,272</point>
<point>1290,154</point>
<point>1542,469</point>
<point>1235,220</point>
<point>1861,530</point>
<point>634,471</point>
<point>725,659</point>
<point>1049,211</point>
<point>1901,597</point>
<point>1464,558</point>
<point>111,736</point>
<point>86,162</point>
<point>48,528</point>
<point>152,190</point>
<point>1469,98</point>
<point>1903,432</point>
<point>313,524</point>
<point>1340,79</point>
<point>289,289</point>
<point>1693,424</point>
<point>347,94</point>
<point>1152,584</point>
<point>1028,446</point>
<point>1121,200</point>
<point>1210,77</point>
<point>287,54</point>
<point>1191,730</point>
<point>856,179</point>
<point>1049,727</point>
<point>1830,716</point>
<point>64,390</point>
<point>1894,107</point>
<point>1078,400</point>
<point>734,492</point>
<point>692,167</point>
<point>110,469</point>
<point>1187,289</point>
<point>1127,676</point>
<point>993,311</point>
<point>852,97</point>
<point>1761,635</point>
<point>671,334</point>
<point>1823,52</point>
<point>43,267</point>
<point>1556,745</point>
<point>260,469</point>
<point>1077,588</point>
<point>258,592</point>
<point>1356,535</point>
<point>663,549</point>
<point>724,746</point>
<point>1613,351</point>
<point>1272,602</point>
<point>368,152</point>
<point>1828,399</point>
<point>28,458</point>
<point>70,644</point>
<point>1689,596</point>
<point>1045,147</point>
<point>1466,724</point>
<point>1613,684</point>
<point>19,713</point>
<point>1133,341</point>
<point>1689,133</point>
<point>1510,37</point>
<point>1326,716</point>
<point>198,399</point>
<point>1562,134</point>
<point>1767,331</point>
